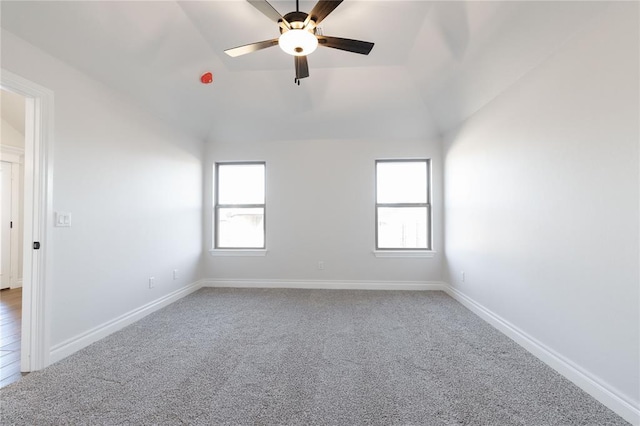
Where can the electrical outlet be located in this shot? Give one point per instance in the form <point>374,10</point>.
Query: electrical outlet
<point>175,274</point>
<point>462,275</point>
<point>152,282</point>
<point>320,265</point>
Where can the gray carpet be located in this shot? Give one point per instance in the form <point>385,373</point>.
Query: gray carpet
<point>327,357</point>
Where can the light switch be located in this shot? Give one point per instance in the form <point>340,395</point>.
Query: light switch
<point>63,219</point>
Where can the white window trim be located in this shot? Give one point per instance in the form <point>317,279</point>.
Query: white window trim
<point>237,252</point>
<point>397,252</point>
<point>405,253</point>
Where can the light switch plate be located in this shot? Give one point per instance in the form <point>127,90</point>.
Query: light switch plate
<point>63,219</point>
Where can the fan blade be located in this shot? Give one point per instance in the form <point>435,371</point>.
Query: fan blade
<point>355,46</point>
<point>249,48</point>
<point>321,10</point>
<point>302,67</point>
<point>269,11</point>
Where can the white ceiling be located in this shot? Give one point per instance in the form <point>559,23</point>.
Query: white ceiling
<point>433,64</point>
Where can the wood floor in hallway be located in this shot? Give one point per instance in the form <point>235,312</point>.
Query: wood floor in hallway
<point>10,334</point>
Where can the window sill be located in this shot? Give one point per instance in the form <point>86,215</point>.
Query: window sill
<point>404,253</point>
<point>238,252</point>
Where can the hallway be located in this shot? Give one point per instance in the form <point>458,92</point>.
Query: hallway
<point>10,332</point>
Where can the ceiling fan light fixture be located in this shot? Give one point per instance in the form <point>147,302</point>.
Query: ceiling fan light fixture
<point>298,42</point>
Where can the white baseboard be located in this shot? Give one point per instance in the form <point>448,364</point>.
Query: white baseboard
<point>588,382</point>
<point>16,284</point>
<point>327,285</point>
<point>74,344</point>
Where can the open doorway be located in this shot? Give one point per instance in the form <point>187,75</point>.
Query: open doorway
<point>30,227</point>
<point>12,142</point>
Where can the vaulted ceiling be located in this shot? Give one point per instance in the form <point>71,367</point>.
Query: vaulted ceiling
<point>433,64</point>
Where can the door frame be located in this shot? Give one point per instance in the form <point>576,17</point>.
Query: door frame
<point>37,220</point>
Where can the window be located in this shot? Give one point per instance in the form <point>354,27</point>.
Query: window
<point>403,210</point>
<point>239,206</point>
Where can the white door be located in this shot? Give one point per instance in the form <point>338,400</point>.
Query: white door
<point>5,224</point>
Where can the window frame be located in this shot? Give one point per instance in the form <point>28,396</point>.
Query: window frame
<point>217,206</point>
<point>427,204</point>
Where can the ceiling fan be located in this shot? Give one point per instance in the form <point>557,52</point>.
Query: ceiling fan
<point>299,36</point>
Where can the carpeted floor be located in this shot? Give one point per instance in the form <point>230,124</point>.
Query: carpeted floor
<point>327,357</point>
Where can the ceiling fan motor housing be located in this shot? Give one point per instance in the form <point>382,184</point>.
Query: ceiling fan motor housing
<point>296,20</point>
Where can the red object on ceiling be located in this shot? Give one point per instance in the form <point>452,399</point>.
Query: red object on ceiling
<point>206,78</point>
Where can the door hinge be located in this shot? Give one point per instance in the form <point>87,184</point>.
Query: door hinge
<point>36,245</point>
<point>11,224</point>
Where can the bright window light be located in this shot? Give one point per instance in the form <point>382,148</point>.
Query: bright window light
<point>402,205</point>
<point>239,206</point>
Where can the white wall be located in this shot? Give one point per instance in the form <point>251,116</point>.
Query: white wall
<point>133,186</point>
<point>541,202</point>
<point>15,138</point>
<point>320,207</point>
<point>10,136</point>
